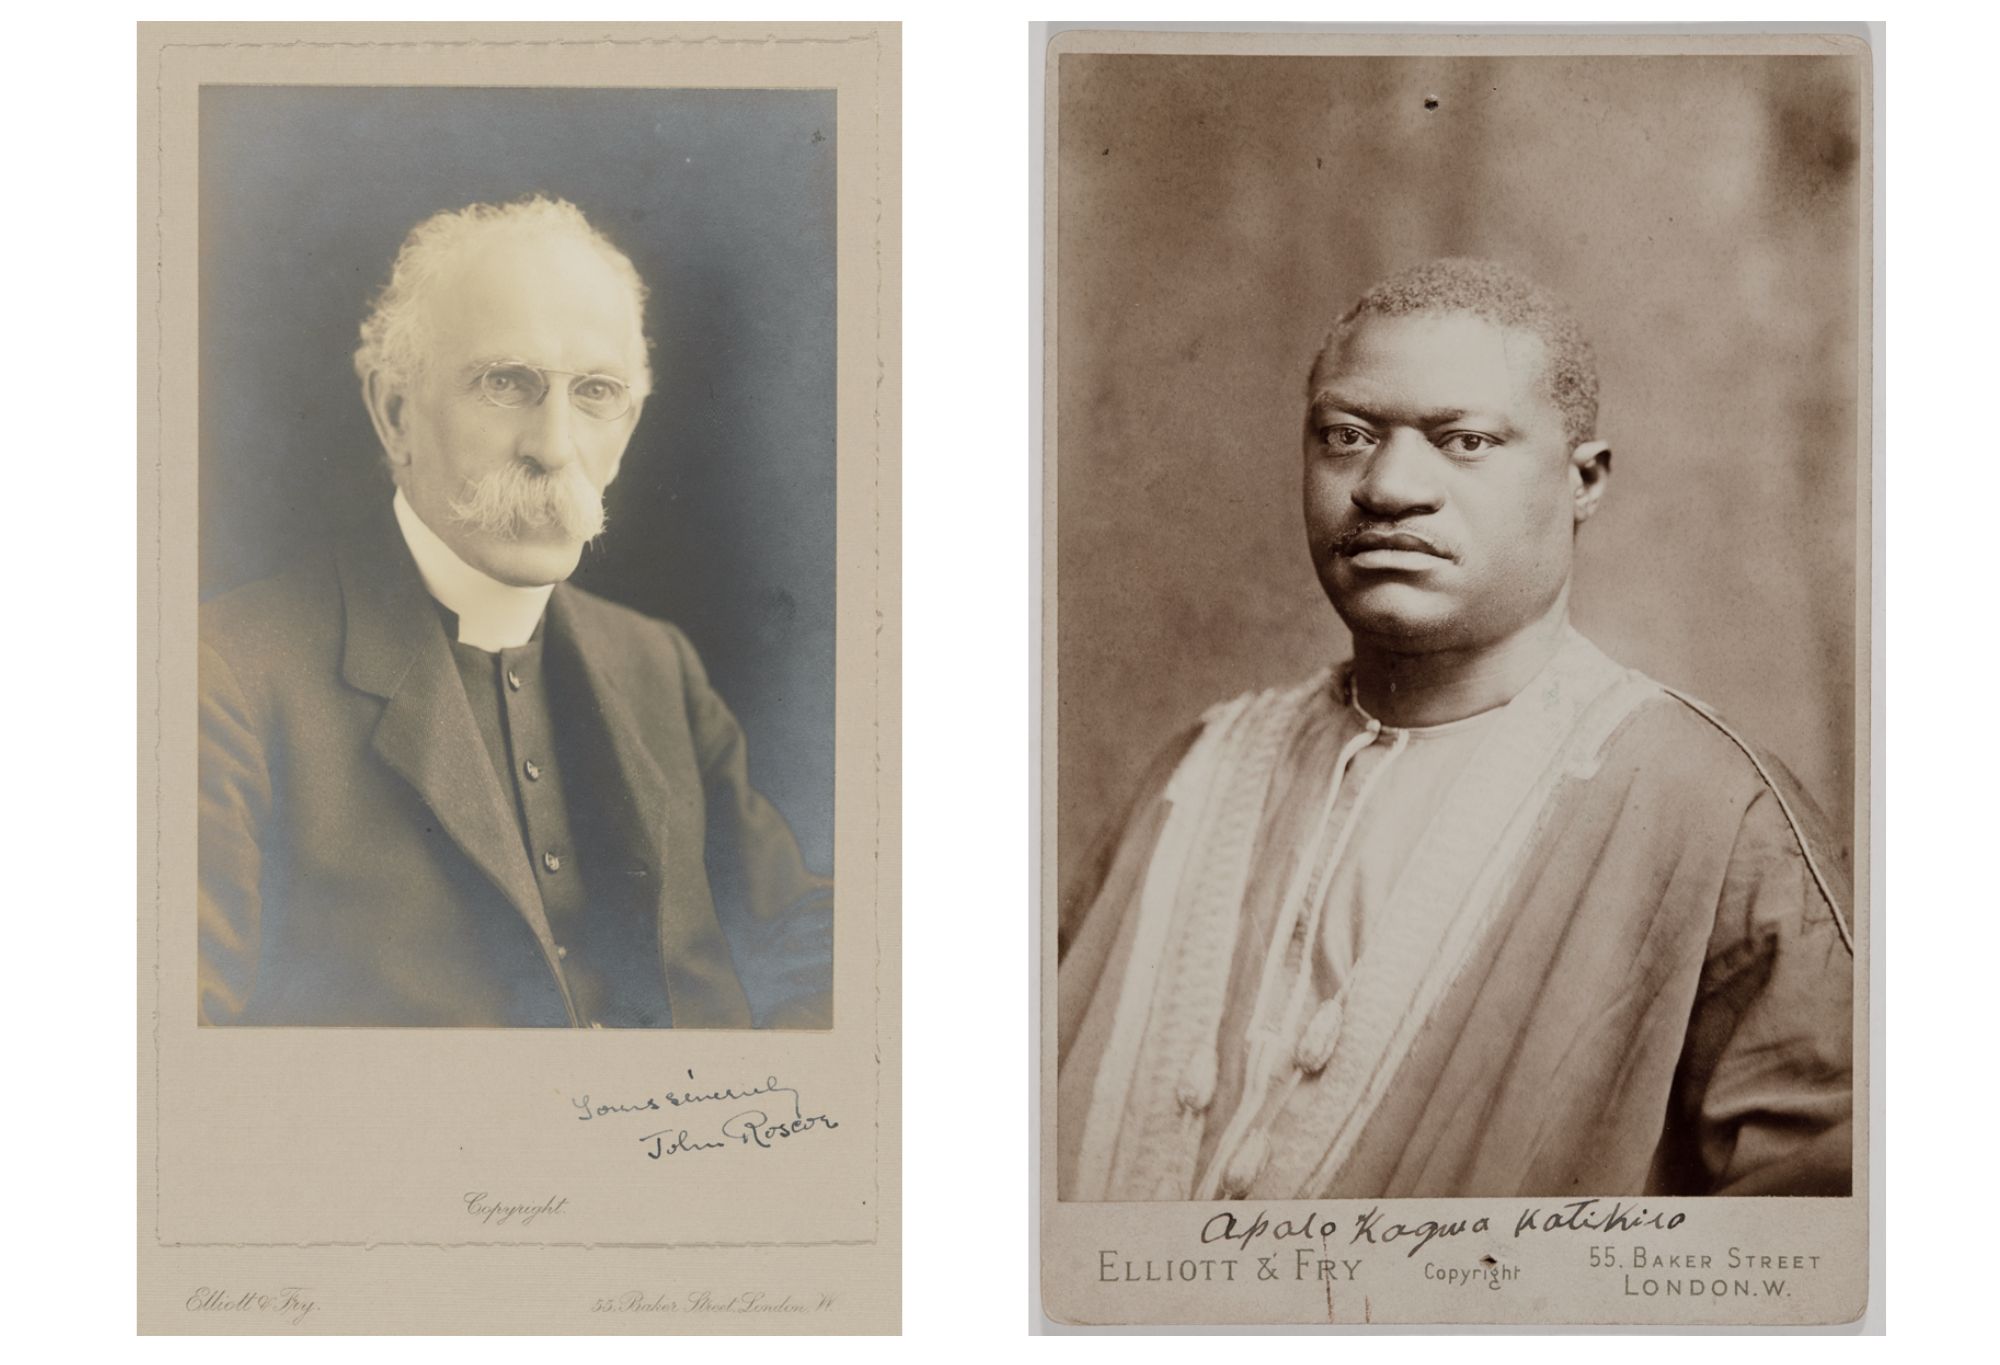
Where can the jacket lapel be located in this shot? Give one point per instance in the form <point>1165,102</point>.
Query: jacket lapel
<point>395,649</point>
<point>660,824</point>
<point>640,803</point>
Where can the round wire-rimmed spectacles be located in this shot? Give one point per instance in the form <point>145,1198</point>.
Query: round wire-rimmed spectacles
<point>517,384</point>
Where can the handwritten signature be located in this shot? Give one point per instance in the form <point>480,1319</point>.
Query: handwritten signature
<point>757,1128</point>
<point>1578,1215</point>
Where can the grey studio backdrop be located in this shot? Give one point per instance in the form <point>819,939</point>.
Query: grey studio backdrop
<point>722,517</point>
<point>1217,214</point>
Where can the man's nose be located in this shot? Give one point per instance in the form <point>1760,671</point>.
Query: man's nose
<point>549,436</point>
<point>1399,479</point>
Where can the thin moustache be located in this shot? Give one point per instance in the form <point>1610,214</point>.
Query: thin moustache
<point>1363,538</point>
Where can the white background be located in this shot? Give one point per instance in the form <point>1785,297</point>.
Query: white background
<point>968,627</point>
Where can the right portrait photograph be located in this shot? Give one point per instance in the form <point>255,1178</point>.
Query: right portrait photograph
<point>1457,567</point>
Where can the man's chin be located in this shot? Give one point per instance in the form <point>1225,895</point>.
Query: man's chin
<point>531,561</point>
<point>1398,611</point>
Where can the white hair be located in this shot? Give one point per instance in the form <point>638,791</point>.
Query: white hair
<point>392,335</point>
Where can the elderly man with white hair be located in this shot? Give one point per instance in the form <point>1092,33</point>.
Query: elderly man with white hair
<point>440,786</point>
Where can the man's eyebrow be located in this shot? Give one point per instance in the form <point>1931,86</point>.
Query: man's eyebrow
<point>612,371</point>
<point>1326,402</point>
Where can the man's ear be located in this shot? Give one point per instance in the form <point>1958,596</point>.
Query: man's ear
<point>1589,472</point>
<point>388,409</point>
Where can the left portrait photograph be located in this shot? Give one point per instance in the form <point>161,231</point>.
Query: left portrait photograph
<point>519,659</point>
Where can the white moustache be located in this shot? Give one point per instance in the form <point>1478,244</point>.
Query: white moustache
<point>519,497</point>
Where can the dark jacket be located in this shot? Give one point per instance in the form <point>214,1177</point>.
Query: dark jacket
<point>360,862</point>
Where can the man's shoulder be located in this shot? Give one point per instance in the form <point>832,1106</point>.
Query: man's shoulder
<point>1680,741</point>
<point>1274,705</point>
<point>1686,740</point>
<point>293,614</point>
<point>623,636</point>
<point>1673,737</point>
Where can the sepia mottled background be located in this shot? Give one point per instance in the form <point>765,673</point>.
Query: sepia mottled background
<point>1215,216</point>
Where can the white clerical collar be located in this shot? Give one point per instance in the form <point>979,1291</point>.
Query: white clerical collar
<point>491,615</point>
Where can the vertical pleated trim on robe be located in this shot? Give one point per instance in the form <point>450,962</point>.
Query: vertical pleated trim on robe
<point>1611,957</point>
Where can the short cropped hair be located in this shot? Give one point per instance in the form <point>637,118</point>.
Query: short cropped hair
<point>392,335</point>
<point>1489,290</point>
